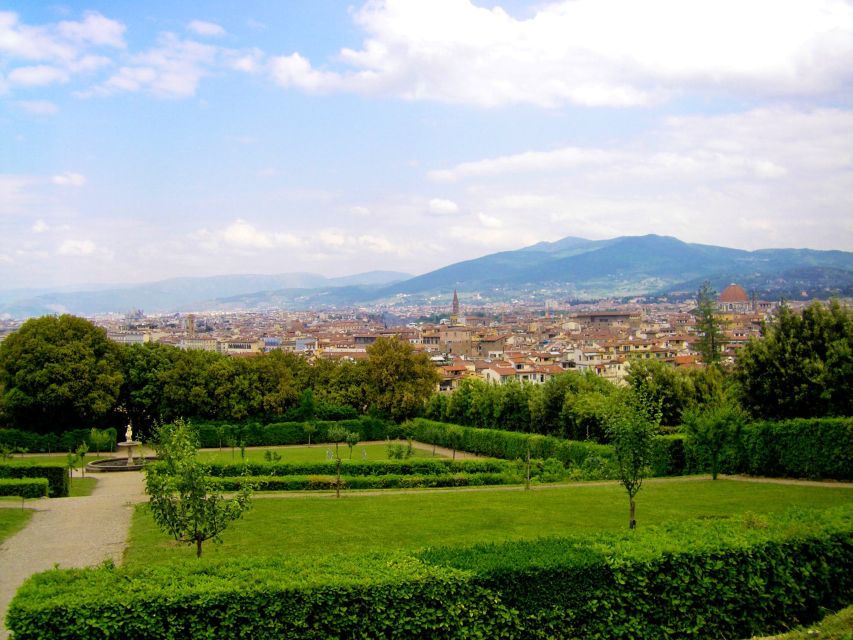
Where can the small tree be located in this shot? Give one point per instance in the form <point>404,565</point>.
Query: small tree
<point>352,439</point>
<point>310,428</point>
<point>709,325</point>
<point>181,500</point>
<point>81,457</point>
<point>632,421</point>
<point>100,439</point>
<point>712,428</point>
<point>337,434</point>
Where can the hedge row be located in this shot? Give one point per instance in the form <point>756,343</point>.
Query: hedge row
<point>387,481</point>
<point>698,579</point>
<point>509,445</point>
<point>50,442</point>
<point>253,434</point>
<point>56,474</point>
<point>416,466</point>
<point>803,448</point>
<point>24,487</point>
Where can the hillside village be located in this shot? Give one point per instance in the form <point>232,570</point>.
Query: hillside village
<point>497,343</point>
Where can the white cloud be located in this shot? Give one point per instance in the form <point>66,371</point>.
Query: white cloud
<point>38,107</point>
<point>589,52</point>
<point>77,248</point>
<point>244,236</point>
<point>94,29</point>
<point>37,76</point>
<point>768,177</point>
<point>359,211</point>
<point>203,28</point>
<point>69,179</point>
<point>40,226</point>
<point>442,207</point>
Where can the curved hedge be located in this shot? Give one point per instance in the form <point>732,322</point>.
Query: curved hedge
<point>698,579</point>
<point>413,466</point>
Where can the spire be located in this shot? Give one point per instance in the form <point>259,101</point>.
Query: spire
<point>454,314</point>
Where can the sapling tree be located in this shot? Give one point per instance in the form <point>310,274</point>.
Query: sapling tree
<point>632,421</point>
<point>337,434</point>
<point>81,457</point>
<point>181,498</point>
<point>310,428</point>
<point>100,439</point>
<point>713,427</point>
<point>352,439</point>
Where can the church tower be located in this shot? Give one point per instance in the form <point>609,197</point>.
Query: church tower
<point>454,314</point>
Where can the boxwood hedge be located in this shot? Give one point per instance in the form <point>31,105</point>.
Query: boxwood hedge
<point>418,466</point>
<point>24,487</point>
<point>253,434</point>
<point>385,481</point>
<point>698,579</point>
<point>56,474</point>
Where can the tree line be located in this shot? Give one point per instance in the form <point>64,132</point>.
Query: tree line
<point>61,373</point>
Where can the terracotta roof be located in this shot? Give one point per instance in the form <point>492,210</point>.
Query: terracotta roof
<point>734,293</point>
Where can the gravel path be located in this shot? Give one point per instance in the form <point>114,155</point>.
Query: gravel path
<point>70,532</point>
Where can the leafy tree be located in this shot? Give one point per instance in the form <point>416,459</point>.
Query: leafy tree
<point>632,422</point>
<point>310,429</point>
<point>803,367</point>
<point>709,325</point>
<point>181,500</point>
<point>100,439</point>
<point>337,434</point>
<point>143,368</point>
<point>400,380</point>
<point>82,450</point>
<point>672,387</point>
<point>352,439</point>
<point>714,427</point>
<point>58,373</point>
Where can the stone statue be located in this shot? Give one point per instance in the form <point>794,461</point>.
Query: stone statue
<point>128,434</point>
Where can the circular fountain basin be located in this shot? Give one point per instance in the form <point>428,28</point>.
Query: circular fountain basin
<point>119,464</point>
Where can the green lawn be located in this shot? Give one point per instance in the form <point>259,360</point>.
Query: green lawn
<point>357,522</point>
<point>314,453</point>
<point>838,626</point>
<point>13,520</point>
<point>82,486</point>
<point>58,458</point>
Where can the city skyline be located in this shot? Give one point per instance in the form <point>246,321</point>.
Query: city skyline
<point>199,140</point>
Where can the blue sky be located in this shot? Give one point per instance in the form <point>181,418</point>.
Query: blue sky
<point>141,141</point>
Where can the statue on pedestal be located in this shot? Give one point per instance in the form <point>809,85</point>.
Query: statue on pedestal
<point>128,434</point>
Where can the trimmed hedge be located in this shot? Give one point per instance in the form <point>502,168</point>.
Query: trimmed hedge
<point>804,448</point>
<point>51,442</point>
<point>56,474</point>
<point>253,434</point>
<point>414,466</point>
<point>698,579</point>
<point>386,481</point>
<point>509,445</point>
<point>24,487</point>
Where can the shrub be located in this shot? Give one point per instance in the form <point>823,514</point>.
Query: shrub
<point>51,442</point>
<point>56,474</point>
<point>386,481</point>
<point>696,579</point>
<point>214,434</point>
<point>24,487</point>
<point>413,466</point>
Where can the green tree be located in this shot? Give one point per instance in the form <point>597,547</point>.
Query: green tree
<point>400,380</point>
<point>337,434</point>
<point>182,502</point>
<point>708,325</point>
<point>58,373</point>
<point>632,422</point>
<point>713,428</point>
<point>352,439</point>
<point>100,439</point>
<point>143,368</point>
<point>803,367</point>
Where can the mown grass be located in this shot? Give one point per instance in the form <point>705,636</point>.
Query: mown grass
<point>13,520</point>
<point>319,524</point>
<point>314,453</point>
<point>81,487</point>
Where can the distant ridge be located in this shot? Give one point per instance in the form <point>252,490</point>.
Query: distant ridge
<point>569,268</point>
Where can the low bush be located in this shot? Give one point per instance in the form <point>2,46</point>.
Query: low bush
<point>253,434</point>
<point>412,466</point>
<point>51,442</point>
<point>386,481</point>
<point>56,475</point>
<point>727,578</point>
<point>24,487</point>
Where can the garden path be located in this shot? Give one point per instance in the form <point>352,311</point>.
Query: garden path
<point>70,532</point>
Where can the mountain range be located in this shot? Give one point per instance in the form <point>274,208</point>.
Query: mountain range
<point>570,268</point>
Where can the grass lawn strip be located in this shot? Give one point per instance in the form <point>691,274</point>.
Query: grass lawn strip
<point>13,520</point>
<point>314,453</point>
<point>838,626</point>
<point>316,525</point>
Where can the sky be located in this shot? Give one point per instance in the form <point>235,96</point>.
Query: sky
<point>143,141</point>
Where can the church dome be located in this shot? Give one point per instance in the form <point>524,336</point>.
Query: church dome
<point>734,293</point>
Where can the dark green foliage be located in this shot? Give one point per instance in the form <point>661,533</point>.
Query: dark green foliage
<point>399,379</point>
<point>57,373</point>
<point>708,325</point>
<point>384,481</point>
<point>802,368</point>
<point>24,487</point>
<point>56,474</point>
<point>699,579</point>
<point>50,442</point>
<point>253,434</point>
<point>713,428</point>
<point>413,466</point>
